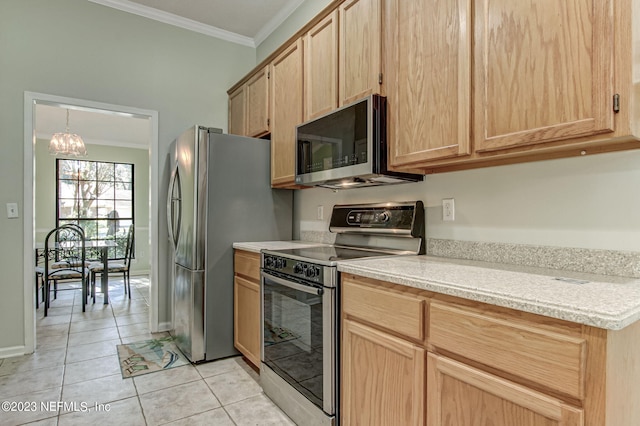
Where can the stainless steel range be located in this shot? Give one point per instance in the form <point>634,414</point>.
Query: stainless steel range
<point>300,305</point>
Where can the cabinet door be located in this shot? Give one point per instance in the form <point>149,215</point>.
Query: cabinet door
<point>459,395</point>
<point>321,67</point>
<point>360,49</point>
<point>427,62</point>
<point>237,110</point>
<point>257,93</point>
<point>543,71</point>
<point>286,107</point>
<point>246,327</point>
<point>383,378</point>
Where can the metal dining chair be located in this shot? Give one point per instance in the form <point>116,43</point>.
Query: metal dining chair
<point>115,266</point>
<point>64,260</point>
<point>40,254</point>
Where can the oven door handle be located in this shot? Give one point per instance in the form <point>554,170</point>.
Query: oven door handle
<point>301,287</point>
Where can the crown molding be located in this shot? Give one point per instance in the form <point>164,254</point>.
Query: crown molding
<point>178,21</point>
<point>276,21</point>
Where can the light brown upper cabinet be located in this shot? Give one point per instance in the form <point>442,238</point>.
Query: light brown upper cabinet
<point>286,107</point>
<point>360,69</point>
<point>547,81</point>
<point>427,45</point>
<point>321,67</point>
<point>257,98</point>
<point>543,71</point>
<point>249,106</point>
<point>237,112</point>
<point>469,83</point>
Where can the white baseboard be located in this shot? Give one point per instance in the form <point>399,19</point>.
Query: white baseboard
<point>164,326</point>
<point>12,351</point>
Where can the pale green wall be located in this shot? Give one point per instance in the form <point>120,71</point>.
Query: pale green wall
<point>45,193</point>
<point>585,202</point>
<point>79,49</point>
<point>303,14</point>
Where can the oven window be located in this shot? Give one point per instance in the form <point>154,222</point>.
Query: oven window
<point>293,337</point>
<point>334,141</point>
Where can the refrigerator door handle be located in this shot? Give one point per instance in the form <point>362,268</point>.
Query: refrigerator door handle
<point>174,207</point>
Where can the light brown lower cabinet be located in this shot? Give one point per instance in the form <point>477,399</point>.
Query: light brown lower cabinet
<point>246,305</point>
<point>413,357</point>
<point>462,395</point>
<point>383,378</point>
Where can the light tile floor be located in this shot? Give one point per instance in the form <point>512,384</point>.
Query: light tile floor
<point>74,378</point>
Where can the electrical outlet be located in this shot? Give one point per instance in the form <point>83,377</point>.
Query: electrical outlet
<point>320,215</point>
<point>448,210</point>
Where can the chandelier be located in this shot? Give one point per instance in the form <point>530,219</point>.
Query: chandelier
<point>67,143</point>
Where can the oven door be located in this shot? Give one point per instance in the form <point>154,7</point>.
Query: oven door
<point>299,336</point>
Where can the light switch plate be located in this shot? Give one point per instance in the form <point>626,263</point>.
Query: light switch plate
<point>12,210</point>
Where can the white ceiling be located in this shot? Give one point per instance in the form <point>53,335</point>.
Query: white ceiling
<point>94,126</point>
<point>246,22</point>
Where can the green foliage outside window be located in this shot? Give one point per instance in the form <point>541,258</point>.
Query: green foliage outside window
<point>99,197</point>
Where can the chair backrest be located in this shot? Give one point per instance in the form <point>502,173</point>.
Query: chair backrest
<point>62,234</point>
<point>67,241</point>
<point>129,247</point>
<point>75,225</point>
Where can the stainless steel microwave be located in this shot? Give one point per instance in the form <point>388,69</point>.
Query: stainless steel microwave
<point>347,148</point>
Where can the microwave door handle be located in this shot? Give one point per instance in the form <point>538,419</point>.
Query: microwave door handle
<point>286,283</point>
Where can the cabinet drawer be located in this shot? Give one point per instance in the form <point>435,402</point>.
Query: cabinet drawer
<point>247,263</point>
<point>551,359</point>
<point>393,310</point>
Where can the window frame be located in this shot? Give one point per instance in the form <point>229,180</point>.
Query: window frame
<point>120,232</point>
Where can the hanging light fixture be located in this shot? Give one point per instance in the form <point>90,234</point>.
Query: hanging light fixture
<point>67,143</point>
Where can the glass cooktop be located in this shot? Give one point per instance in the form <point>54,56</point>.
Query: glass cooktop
<point>327,255</point>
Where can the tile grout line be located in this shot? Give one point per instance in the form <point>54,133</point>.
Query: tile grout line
<point>66,353</point>
<point>135,387</point>
<point>112,315</point>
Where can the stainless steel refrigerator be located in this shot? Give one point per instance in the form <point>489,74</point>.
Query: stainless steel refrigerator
<point>219,193</point>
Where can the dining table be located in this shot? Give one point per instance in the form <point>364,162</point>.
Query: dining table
<point>103,246</point>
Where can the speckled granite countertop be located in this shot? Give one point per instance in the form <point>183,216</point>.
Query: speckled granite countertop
<point>602,301</point>
<point>256,246</point>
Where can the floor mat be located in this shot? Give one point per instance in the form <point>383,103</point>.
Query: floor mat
<point>274,334</point>
<point>147,356</point>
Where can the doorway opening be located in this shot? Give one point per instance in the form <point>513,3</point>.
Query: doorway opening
<point>96,120</point>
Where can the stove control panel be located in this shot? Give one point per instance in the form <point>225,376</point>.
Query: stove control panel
<point>404,218</point>
<point>357,217</point>
<point>304,270</point>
